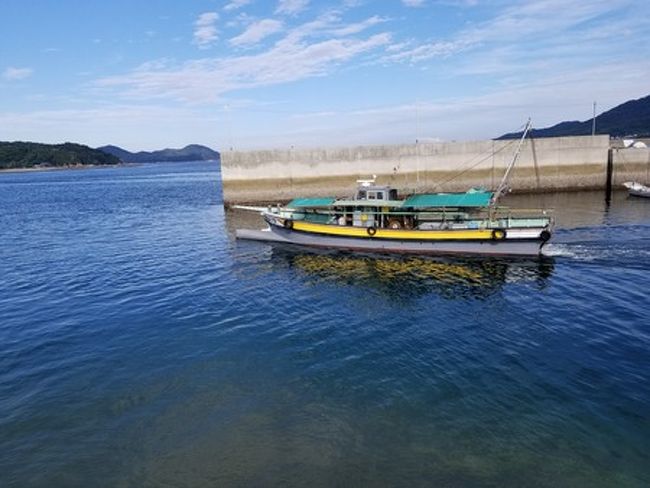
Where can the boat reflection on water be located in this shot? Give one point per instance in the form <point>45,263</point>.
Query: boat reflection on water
<point>450,278</point>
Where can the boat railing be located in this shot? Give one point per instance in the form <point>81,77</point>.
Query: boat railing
<point>449,213</point>
<point>483,218</point>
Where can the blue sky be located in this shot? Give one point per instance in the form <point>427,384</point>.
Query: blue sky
<point>248,74</point>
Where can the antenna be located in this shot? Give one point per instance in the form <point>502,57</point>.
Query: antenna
<point>593,123</point>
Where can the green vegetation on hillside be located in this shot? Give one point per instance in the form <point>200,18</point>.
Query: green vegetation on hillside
<point>193,152</point>
<point>35,155</point>
<point>629,119</point>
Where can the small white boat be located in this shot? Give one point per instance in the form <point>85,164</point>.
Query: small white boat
<point>637,189</point>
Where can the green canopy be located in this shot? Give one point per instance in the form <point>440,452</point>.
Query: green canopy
<point>469,199</point>
<point>310,202</point>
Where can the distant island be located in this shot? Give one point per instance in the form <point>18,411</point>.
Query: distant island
<point>630,119</point>
<point>33,155</point>
<point>20,155</point>
<point>193,152</point>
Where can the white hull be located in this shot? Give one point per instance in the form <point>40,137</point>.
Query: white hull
<point>637,189</point>
<point>521,245</point>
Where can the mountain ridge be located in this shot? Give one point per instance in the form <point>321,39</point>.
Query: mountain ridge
<point>629,119</point>
<point>21,154</point>
<point>191,152</point>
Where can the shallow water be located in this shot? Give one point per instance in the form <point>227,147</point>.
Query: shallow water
<point>141,346</point>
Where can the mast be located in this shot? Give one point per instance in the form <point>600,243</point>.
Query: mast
<point>503,185</point>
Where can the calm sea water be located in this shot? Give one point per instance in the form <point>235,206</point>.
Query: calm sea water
<point>141,346</point>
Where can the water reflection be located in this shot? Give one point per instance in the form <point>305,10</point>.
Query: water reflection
<point>412,277</point>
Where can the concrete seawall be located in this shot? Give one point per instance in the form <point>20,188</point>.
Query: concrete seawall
<point>563,163</point>
<point>630,164</point>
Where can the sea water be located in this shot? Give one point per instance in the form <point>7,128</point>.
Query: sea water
<point>140,345</point>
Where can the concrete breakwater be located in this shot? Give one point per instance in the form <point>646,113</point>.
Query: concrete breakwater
<point>549,164</point>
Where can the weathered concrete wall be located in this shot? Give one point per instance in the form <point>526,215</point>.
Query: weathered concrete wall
<point>544,165</point>
<point>630,164</point>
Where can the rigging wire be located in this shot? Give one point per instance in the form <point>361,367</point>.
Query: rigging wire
<point>489,154</point>
<point>469,168</point>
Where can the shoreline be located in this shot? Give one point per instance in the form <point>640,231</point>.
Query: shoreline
<point>63,168</point>
<point>93,166</point>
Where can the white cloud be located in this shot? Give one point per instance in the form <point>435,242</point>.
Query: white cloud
<point>413,3</point>
<point>423,52</point>
<point>534,26</point>
<point>14,74</point>
<point>306,51</point>
<point>206,80</point>
<point>235,4</point>
<point>256,32</point>
<point>358,27</point>
<point>539,18</point>
<point>205,32</point>
<point>291,7</point>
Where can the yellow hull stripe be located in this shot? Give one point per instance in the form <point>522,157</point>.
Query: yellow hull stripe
<point>426,235</point>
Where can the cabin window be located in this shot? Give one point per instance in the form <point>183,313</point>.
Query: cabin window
<point>393,195</point>
<point>361,195</point>
<point>380,195</point>
<point>372,195</point>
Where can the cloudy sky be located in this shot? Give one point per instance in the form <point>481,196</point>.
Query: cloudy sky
<point>248,74</point>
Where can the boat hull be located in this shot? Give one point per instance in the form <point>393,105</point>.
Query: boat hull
<point>501,247</point>
<point>640,193</point>
<point>637,189</point>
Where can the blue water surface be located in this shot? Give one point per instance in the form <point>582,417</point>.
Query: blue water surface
<point>140,345</point>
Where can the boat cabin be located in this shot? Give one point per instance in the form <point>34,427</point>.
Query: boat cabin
<point>375,192</point>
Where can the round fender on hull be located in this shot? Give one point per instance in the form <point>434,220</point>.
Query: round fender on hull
<point>371,231</point>
<point>498,234</point>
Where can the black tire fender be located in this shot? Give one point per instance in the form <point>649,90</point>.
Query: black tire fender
<point>371,231</point>
<point>498,234</point>
<point>545,235</point>
<point>288,224</point>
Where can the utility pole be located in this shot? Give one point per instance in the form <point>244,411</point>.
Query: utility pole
<point>593,122</point>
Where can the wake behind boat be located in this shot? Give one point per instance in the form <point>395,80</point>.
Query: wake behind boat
<point>377,219</point>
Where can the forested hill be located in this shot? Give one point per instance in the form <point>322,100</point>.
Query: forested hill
<point>193,152</point>
<point>631,119</point>
<point>36,155</point>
